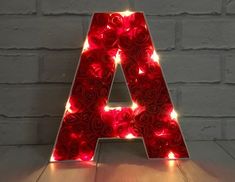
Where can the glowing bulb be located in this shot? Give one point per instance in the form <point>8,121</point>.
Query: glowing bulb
<point>140,71</point>
<point>126,13</point>
<point>118,108</point>
<point>134,106</point>
<point>86,45</point>
<point>52,159</point>
<point>171,155</point>
<point>106,108</point>
<point>68,107</point>
<point>117,58</point>
<point>174,115</point>
<point>155,57</point>
<point>129,136</point>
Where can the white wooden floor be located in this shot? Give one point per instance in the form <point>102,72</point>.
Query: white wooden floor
<point>120,161</point>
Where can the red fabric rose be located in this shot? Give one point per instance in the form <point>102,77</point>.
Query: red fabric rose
<point>100,20</point>
<point>141,36</point>
<point>115,20</point>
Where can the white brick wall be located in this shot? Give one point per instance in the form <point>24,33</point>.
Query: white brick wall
<point>40,44</point>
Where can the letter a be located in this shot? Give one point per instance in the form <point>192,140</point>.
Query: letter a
<point>122,39</point>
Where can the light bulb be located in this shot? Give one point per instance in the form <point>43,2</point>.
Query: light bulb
<point>117,57</point>
<point>171,155</point>
<point>52,159</point>
<point>126,13</point>
<point>174,115</point>
<point>68,107</point>
<point>106,108</point>
<point>140,71</point>
<point>85,45</point>
<point>155,57</point>
<point>134,106</point>
<point>129,136</point>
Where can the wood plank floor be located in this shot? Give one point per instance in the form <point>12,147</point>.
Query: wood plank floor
<point>120,161</point>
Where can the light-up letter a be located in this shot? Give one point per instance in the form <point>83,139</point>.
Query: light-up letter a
<point>114,40</point>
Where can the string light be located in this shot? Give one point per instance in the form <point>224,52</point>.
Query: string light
<point>52,159</point>
<point>129,136</point>
<point>155,57</point>
<point>171,155</point>
<point>126,13</point>
<point>174,115</point>
<point>85,45</point>
<point>140,71</point>
<point>68,107</point>
<point>134,106</point>
<point>117,57</point>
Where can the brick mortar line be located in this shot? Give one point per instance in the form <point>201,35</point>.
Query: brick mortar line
<point>33,51</point>
<point>37,84</point>
<point>173,16</point>
<point>180,84</point>
<point>222,68</point>
<point>60,116</point>
<point>206,117</point>
<point>38,8</point>
<point>225,150</point>
<point>223,8</point>
<point>173,50</point>
<point>2,116</point>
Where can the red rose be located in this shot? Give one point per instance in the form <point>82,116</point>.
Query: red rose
<point>126,115</point>
<point>131,71</point>
<point>100,20</point>
<point>141,36</point>
<point>109,38</point>
<point>95,39</point>
<point>73,150</point>
<point>115,20</point>
<point>137,19</point>
<point>143,123</point>
<point>125,41</point>
<point>86,150</point>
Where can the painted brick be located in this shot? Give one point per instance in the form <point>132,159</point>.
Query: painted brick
<point>230,5</point>
<point>18,68</point>
<point>230,69</point>
<point>52,33</point>
<point>190,68</point>
<point>14,131</point>
<point>229,129</point>
<point>211,34</point>
<point>82,6</point>
<point>33,100</point>
<point>17,6</point>
<point>59,67</point>
<point>200,128</point>
<point>173,7</point>
<point>47,130</point>
<point>207,101</point>
<point>162,32</point>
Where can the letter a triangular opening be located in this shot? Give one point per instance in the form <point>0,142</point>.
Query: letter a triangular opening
<point>119,93</point>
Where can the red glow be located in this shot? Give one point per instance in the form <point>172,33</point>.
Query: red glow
<point>118,38</point>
